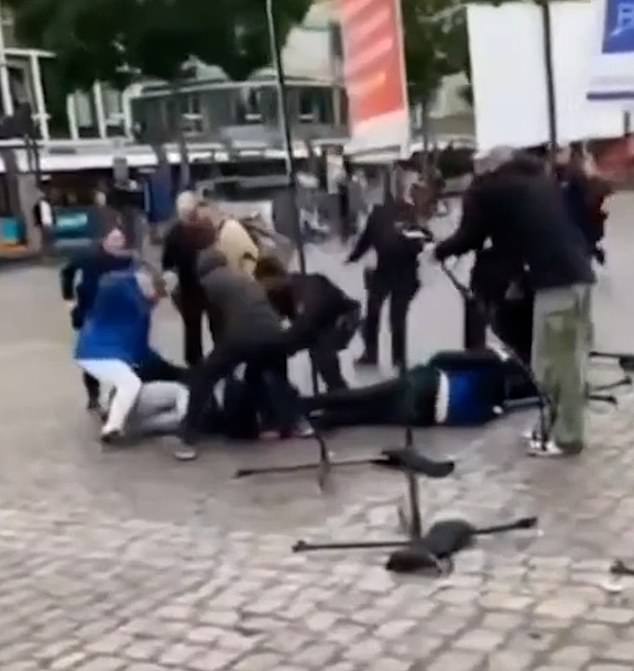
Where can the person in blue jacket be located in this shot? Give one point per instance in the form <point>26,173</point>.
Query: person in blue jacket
<point>114,341</point>
<point>111,254</point>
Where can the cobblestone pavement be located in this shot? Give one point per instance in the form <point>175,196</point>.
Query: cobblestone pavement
<point>128,561</point>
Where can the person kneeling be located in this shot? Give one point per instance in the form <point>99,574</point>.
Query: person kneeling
<point>113,345</point>
<point>323,318</point>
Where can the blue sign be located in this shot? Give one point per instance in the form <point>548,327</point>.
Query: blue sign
<point>71,222</point>
<point>618,35</point>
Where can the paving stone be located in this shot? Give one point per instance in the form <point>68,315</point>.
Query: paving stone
<point>266,661</point>
<point>593,633</point>
<point>483,640</point>
<point>144,649</point>
<point>69,661</point>
<point>316,656</point>
<point>565,609</point>
<point>611,615</point>
<point>505,660</point>
<point>214,660</point>
<point>179,654</point>
<point>110,644</point>
<point>395,629</point>
<point>456,661</point>
<point>623,651</point>
<point>574,656</point>
<point>102,664</point>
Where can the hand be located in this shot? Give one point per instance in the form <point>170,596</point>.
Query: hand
<point>70,305</point>
<point>430,252</point>
<point>170,279</point>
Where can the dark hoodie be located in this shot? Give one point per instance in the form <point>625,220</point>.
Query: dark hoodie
<point>239,302</point>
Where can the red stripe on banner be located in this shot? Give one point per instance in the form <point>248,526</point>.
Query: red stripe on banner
<point>373,48</point>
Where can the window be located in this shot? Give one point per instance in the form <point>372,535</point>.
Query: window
<point>55,97</point>
<point>315,105</point>
<point>250,106</point>
<point>191,116</point>
<point>113,111</point>
<point>306,106</point>
<point>86,114</point>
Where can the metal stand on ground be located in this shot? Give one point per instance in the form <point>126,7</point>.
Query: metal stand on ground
<point>543,402</point>
<point>407,458</point>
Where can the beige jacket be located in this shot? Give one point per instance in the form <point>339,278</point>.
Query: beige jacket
<point>237,245</point>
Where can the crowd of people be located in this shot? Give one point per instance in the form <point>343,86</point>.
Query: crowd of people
<point>534,234</point>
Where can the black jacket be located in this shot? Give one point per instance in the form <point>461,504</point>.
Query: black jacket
<point>180,254</point>
<point>239,302</point>
<point>92,266</point>
<point>312,303</point>
<point>526,219</point>
<point>396,254</point>
<point>585,197</point>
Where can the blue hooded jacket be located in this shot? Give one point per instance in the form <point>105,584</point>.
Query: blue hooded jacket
<point>118,326</point>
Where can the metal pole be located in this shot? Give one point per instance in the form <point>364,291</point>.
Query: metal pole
<point>286,130</point>
<point>5,82</point>
<point>40,100</point>
<point>551,95</point>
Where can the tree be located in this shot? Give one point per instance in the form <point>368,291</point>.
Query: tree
<point>436,46</point>
<point>119,41</point>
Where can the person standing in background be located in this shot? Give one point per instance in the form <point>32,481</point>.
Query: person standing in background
<point>107,217</point>
<point>521,211</point>
<point>180,250</point>
<point>395,233</point>
<point>44,218</point>
<point>232,238</point>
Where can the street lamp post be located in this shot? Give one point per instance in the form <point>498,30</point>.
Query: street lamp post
<point>282,92</point>
<point>551,95</point>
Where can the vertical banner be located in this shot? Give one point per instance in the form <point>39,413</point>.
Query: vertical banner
<point>376,83</point>
<point>612,74</point>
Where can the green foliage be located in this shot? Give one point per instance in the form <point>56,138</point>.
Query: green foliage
<point>436,44</point>
<point>117,40</point>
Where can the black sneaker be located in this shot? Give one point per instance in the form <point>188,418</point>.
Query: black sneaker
<point>93,405</point>
<point>112,438</point>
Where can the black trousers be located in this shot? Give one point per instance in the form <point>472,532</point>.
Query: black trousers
<point>92,387</point>
<point>400,289</point>
<point>266,357</point>
<point>193,313</point>
<point>376,405</point>
<point>325,355</point>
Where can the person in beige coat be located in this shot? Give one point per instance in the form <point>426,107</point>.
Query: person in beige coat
<point>232,239</point>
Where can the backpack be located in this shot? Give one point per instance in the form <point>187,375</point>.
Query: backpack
<point>269,242</point>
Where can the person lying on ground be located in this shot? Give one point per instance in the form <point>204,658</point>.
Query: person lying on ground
<point>252,334</point>
<point>323,318</point>
<point>453,389</point>
<point>111,254</point>
<point>113,344</point>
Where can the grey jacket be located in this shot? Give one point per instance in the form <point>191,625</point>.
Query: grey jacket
<point>237,301</point>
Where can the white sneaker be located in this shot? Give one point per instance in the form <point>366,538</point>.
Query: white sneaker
<point>549,450</point>
<point>303,429</point>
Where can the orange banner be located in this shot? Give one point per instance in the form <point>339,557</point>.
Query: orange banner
<point>375,72</point>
